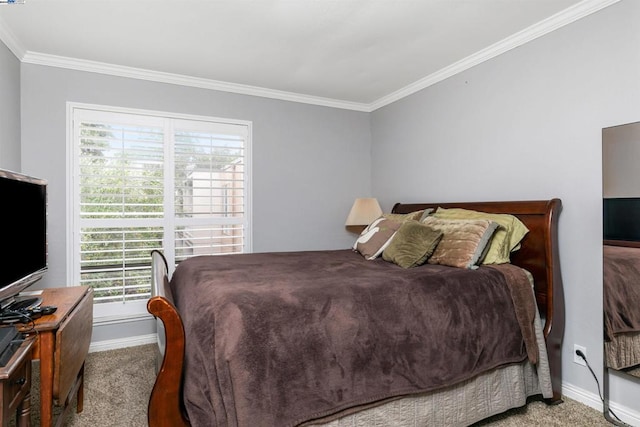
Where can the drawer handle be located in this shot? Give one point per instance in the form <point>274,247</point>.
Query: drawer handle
<point>20,381</point>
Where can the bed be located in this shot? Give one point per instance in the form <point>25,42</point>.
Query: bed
<point>621,302</point>
<point>400,389</point>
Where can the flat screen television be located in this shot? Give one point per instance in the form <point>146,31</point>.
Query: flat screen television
<point>621,219</point>
<point>23,231</point>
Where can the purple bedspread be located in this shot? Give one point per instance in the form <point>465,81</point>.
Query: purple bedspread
<point>621,290</point>
<point>277,339</point>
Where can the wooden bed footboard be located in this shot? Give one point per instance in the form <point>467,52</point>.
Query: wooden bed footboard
<point>538,254</point>
<point>165,404</point>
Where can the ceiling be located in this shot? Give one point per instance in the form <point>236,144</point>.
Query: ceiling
<point>357,54</point>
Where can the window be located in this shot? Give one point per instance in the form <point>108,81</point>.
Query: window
<point>142,180</point>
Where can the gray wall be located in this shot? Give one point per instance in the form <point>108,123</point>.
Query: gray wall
<point>527,125</point>
<point>9,110</point>
<point>309,162</point>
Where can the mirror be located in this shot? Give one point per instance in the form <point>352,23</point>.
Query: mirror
<point>621,252</point>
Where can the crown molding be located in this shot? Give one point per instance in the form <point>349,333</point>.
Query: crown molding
<point>10,40</point>
<point>183,80</point>
<point>565,17</point>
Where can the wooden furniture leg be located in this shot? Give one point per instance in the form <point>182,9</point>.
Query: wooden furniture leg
<point>75,390</point>
<point>47,345</point>
<point>80,399</point>
<point>23,413</point>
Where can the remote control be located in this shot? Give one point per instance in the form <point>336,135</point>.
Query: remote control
<point>48,309</point>
<point>43,310</point>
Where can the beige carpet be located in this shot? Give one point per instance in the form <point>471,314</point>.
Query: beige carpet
<point>116,390</point>
<point>118,384</point>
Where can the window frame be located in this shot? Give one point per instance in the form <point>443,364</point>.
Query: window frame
<point>107,312</point>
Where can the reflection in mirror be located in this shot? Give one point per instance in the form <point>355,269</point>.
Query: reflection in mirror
<point>621,256</point>
<point>621,251</point>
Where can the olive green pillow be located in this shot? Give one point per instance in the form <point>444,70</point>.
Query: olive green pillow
<point>506,238</point>
<point>412,244</point>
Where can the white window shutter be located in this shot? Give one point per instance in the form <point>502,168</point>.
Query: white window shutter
<point>145,182</point>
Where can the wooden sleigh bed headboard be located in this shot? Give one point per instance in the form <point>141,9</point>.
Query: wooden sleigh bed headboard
<point>539,249</point>
<point>538,254</point>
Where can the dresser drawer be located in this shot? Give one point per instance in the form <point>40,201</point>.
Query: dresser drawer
<point>17,385</point>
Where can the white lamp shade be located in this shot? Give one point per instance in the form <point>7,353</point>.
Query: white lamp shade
<point>364,211</point>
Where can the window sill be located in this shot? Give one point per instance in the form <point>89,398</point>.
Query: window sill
<point>114,320</point>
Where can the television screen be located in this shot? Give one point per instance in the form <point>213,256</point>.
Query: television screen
<point>621,219</point>
<point>23,227</point>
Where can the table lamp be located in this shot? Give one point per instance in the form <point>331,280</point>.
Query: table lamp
<point>363,212</point>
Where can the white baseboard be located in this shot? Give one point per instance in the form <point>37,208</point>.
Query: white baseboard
<point>583,396</point>
<point>122,343</point>
<point>626,414</point>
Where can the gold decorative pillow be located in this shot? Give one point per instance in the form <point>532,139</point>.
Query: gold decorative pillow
<point>412,244</point>
<point>506,238</point>
<point>376,237</point>
<point>463,241</point>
